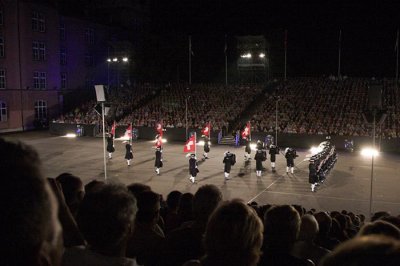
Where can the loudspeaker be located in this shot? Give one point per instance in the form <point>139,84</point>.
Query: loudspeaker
<point>100,96</point>
<point>375,95</point>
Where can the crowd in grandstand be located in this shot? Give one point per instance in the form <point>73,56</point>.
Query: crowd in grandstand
<point>316,106</point>
<point>110,224</point>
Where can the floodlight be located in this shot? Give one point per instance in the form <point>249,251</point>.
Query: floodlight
<point>369,152</point>
<point>262,55</point>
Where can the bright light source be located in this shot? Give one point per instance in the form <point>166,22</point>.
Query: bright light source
<point>115,59</point>
<point>164,140</point>
<point>262,55</point>
<point>369,152</point>
<point>125,59</point>
<point>200,143</point>
<point>70,135</point>
<point>315,150</point>
<point>248,55</point>
<point>108,59</point>
<point>253,146</point>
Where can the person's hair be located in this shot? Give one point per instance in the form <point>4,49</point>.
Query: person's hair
<point>282,225</point>
<point>173,199</point>
<point>206,199</point>
<point>185,210</point>
<point>380,228</point>
<point>73,190</point>
<point>27,205</point>
<point>148,203</point>
<point>372,250</point>
<point>233,235</point>
<point>137,188</point>
<point>379,215</point>
<point>324,222</point>
<point>308,227</point>
<point>106,217</point>
<point>93,185</point>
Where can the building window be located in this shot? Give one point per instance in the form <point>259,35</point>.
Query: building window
<point>89,60</point>
<point>39,51</point>
<point>62,30</point>
<point>1,46</point>
<point>2,78</point>
<point>1,16</point>
<point>63,56</point>
<point>89,36</point>
<point>39,80</point>
<point>38,22</point>
<point>3,111</point>
<point>40,110</point>
<point>63,80</point>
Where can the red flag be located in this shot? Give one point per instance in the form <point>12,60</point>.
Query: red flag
<point>159,141</point>
<point>246,131</point>
<point>190,145</point>
<point>128,132</point>
<point>206,130</point>
<point>159,129</point>
<point>113,128</point>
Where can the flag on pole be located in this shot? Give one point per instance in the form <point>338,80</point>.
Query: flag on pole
<point>246,131</point>
<point>128,132</point>
<point>113,128</point>
<point>206,130</point>
<point>190,145</point>
<point>159,129</point>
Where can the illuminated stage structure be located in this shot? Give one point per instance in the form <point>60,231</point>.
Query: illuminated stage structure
<point>253,59</point>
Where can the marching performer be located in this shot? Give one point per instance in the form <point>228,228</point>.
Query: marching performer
<point>229,160</point>
<point>313,176</point>
<point>273,151</point>
<point>193,169</point>
<point>159,162</point>
<point>247,150</point>
<point>290,155</point>
<point>110,145</point>
<point>128,153</point>
<point>206,147</point>
<point>259,157</point>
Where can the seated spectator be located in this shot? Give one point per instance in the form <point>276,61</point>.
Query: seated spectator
<point>31,233</point>
<point>106,219</point>
<point>73,190</point>
<point>372,250</point>
<point>304,247</point>
<point>186,242</point>
<point>185,211</point>
<point>233,236</point>
<point>281,228</point>
<point>323,238</point>
<point>380,228</point>
<point>138,188</point>
<point>148,238</point>
<point>171,213</point>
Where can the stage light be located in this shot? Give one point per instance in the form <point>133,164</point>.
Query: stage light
<point>262,55</point>
<point>70,135</point>
<point>115,59</point>
<point>200,143</point>
<point>369,152</point>
<point>315,150</point>
<point>125,59</point>
<point>253,146</point>
<point>108,59</point>
<point>248,55</point>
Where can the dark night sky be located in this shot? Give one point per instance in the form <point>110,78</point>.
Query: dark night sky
<point>368,30</point>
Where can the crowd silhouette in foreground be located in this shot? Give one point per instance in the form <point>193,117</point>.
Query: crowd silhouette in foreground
<point>61,221</point>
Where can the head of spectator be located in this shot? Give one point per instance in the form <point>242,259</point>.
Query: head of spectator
<point>380,228</point>
<point>173,200</point>
<point>93,185</point>
<point>233,235</point>
<point>282,225</point>
<point>106,219</point>
<point>308,228</point>
<point>372,250</point>
<point>324,223</point>
<point>148,203</point>
<point>73,190</point>
<point>31,233</point>
<point>137,188</point>
<point>379,215</point>
<point>393,220</point>
<point>206,199</point>
<point>185,210</point>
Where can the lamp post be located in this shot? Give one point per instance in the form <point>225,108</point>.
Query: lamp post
<point>276,121</point>
<point>186,115</point>
<point>116,60</point>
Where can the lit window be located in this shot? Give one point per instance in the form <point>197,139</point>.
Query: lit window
<point>2,78</point>
<point>2,46</point>
<point>39,80</point>
<point>40,109</point>
<point>63,80</point>
<point>38,22</point>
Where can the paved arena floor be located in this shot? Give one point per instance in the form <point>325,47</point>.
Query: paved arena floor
<point>347,187</point>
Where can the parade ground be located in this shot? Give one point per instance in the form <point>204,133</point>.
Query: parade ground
<point>348,186</point>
